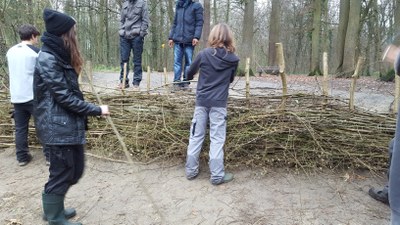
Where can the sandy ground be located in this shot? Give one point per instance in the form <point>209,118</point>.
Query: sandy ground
<point>119,193</point>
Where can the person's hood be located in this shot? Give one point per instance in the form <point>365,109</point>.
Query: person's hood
<point>220,58</point>
<point>183,3</point>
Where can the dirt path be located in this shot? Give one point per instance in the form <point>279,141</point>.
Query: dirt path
<point>117,193</point>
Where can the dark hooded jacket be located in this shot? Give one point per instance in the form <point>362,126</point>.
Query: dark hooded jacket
<point>188,22</point>
<point>59,108</point>
<point>217,70</point>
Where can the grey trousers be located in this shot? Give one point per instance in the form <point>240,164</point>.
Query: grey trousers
<point>217,118</point>
<point>395,218</point>
<point>394,177</point>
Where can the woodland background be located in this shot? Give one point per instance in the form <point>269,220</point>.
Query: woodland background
<point>344,29</point>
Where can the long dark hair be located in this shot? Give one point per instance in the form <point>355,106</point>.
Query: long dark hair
<point>71,44</point>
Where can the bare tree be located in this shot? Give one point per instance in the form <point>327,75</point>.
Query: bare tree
<point>316,38</point>
<point>341,39</point>
<point>207,21</point>
<point>274,31</point>
<point>247,30</point>
<point>352,38</point>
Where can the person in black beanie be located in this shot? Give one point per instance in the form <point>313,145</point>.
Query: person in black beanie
<point>60,112</point>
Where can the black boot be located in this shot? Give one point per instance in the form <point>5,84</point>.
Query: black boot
<point>379,195</point>
<point>53,208</point>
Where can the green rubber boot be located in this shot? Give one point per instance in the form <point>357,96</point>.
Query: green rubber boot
<point>53,208</point>
<point>68,213</point>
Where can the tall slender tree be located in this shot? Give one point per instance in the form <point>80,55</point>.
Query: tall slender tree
<point>247,30</point>
<point>274,31</point>
<point>351,47</point>
<point>341,36</point>
<point>207,21</point>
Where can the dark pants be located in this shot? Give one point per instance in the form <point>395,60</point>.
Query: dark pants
<point>22,114</point>
<point>66,168</point>
<point>136,45</point>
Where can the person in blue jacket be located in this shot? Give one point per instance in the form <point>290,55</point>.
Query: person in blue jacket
<point>184,36</point>
<point>394,178</point>
<point>60,112</point>
<point>217,64</point>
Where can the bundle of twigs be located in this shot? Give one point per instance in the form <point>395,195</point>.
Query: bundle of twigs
<point>306,132</point>
<point>6,125</point>
<point>309,132</point>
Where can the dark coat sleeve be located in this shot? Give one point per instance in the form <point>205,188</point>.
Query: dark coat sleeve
<point>199,20</point>
<point>233,73</point>
<point>54,77</point>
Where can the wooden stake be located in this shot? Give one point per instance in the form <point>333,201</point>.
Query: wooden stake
<point>247,69</point>
<point>148,79</point>
<point>165,79</point>
<point>396,93</point>
<point>355,77</point>
<point>108,118</point>
<point>281,62</point>
<point>325,89</point>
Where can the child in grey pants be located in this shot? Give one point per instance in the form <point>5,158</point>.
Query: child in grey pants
<point>217,65</point>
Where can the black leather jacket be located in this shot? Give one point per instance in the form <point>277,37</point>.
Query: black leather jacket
<point>59,108</point>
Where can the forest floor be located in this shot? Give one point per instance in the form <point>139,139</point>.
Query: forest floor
<point>158,193</point>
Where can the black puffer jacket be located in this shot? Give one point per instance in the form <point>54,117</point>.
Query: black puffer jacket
<point>59,107</point>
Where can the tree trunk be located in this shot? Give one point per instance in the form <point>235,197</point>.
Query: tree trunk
<point>107,33</point>
<point>396,11</point>
<point>228,9</point>
<point>170,9</point>
<point>316,38</point>
<point>215,12</point>
<point>206,24</point>
<point>248,32</point>
<point>351,47</point>
<point>341,36</point>
<point>274,31</point>
<point>155,37</point>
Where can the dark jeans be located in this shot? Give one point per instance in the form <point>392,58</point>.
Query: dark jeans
<point>182,51</point>
<point>66,168</point>
<point>136,45</point>
<point>22,114</point>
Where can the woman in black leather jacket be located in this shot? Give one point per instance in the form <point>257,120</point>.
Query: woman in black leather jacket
<point>60,112</point>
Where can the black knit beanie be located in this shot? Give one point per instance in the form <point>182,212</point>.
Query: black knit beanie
<point>57,23</point>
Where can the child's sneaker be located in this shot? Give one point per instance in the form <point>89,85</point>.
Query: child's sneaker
<point>227,178</point>
<point>120,86</point>
<point>136,88</point>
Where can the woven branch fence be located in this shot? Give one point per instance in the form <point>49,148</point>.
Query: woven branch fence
<point>309,132</point>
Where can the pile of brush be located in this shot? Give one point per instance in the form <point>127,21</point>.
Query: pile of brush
<point>303,131</point>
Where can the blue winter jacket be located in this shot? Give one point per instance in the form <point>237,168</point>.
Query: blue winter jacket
<point>188,22</point>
